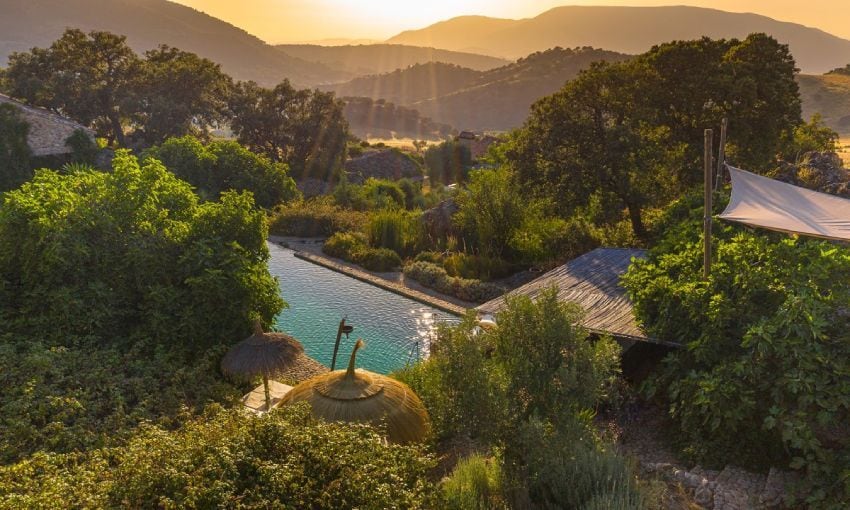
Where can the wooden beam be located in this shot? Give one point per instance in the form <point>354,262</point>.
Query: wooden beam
<point>707,196</point>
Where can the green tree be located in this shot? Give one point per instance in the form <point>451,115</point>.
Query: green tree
<point>88,77</point>
<point>306,129</point>
<point>15,153</point>
<point>808,137</point>
<point>222,166</point>
<point>131,256</point>
<point>448,162</point>
<point>179,93</point>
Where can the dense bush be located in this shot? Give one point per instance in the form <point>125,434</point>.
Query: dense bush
<point>225,165</point>
<point>763,378</point>
<point>476,267</point>
<point>527,389</point>
<point>474,484</point>
<point>230,459</point>
<point>317,217</point>
<point>130,255</point>
<point>448,162</point>
<point>353,247</point>
<point>15,153</point>
<point>435,277</point>
<point>397,230</point>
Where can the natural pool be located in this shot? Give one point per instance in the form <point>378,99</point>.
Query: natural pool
<point>318,298</point>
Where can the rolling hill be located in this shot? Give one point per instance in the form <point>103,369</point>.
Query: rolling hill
<point>383,58</point>
<point>147,23</point>
<point>829,95</point>
<point>498,99</point>
<point>626,30</point>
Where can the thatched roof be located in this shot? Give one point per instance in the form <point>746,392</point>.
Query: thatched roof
<point>356,395</point>
<point>262,354</point>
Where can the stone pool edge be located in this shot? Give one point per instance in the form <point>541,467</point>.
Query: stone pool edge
<point>377,281</point>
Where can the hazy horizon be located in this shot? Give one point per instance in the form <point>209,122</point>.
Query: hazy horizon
<point>298,21</point>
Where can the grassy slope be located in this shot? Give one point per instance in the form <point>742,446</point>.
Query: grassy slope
<point>829,95</point>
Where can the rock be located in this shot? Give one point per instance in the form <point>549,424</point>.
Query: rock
<point>704,494</point>
<point>776,488</point>
<point>737,489</point>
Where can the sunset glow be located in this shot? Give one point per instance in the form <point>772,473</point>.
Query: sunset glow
<point>279,21</point>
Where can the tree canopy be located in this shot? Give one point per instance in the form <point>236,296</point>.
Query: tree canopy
<point>221,166</point>
<point>15,153</point>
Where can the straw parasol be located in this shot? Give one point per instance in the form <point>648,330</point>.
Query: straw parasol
<point>262,354</point>
<point>362,396</point>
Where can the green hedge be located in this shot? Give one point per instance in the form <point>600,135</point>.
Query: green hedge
<point>435,277</point>
<point>352,247</point>
<point>314,218</point>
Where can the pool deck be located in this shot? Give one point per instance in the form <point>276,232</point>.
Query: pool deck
<point>383,283</point>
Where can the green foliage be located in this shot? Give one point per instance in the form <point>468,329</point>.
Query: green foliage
<point>373,195</point>
<point>179,93</point>
<point>476,267</point>
<point>500,221</point>
<point>448,162</point>
<point>303,128</point>
<point>429,256</point>
<point>221,166</point>
<point>379,259</point>
<point>354,248</point>
<point>474,484</point>
<point>396,230</point>
<point>435,277</point>
<point>120,255</point>
<point>316,217</point>
<point>763,375</point>
<point>15,153</point>
<point>230,459</point>
<point>84,149</point>
<point>810,136</point>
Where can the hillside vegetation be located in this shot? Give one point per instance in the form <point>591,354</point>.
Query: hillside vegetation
<point>149,23</point>
<point>498,99</point>
<point>828,95</point>
<point>384,58</point>
<point>624,29</point>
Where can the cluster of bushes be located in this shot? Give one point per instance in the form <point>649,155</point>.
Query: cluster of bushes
<point>317,217</point>
<point>352,247</point>
<point>435,277</point>
<point>524,393</point>
<point>763,376</point>
<point>230,459</point>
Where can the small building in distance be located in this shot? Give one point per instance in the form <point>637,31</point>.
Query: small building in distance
<point>48,131</point>
<point>478,144</point>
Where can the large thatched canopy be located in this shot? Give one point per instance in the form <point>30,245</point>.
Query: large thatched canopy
<point>356,395</point>
<point>262,353</point>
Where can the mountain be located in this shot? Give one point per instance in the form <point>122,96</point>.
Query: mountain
<point>411,85</point>
<point>497,100</point>
<point>829,95</point>
<point>147,23</point>
<point>384,58</point>
<point>626,30</point>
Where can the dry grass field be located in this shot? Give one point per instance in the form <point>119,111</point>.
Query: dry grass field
<point>844,151</point>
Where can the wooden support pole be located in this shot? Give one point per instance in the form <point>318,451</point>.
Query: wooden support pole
<point>336,345</point>
<point>267,392</point>
<point>721,155</point>
<point>708,191</point>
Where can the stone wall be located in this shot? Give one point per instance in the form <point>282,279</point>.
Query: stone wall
<point>48,131</point>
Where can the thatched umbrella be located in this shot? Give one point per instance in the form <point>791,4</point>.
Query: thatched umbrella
<point>362,396</point>
<point>262,354</point>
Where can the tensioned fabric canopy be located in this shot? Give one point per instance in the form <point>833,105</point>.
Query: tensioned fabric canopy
<point>763,202</point>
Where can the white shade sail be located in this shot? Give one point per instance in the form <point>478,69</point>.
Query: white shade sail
<point>762,202</point>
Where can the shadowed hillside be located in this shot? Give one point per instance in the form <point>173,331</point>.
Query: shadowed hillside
<point>624,29</point>
<point>829,95</point>
<point>384,58</point>
<point>498,99</point>
<point>147,23</point>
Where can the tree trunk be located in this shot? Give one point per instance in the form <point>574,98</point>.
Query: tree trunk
<point>117,129</point>
<point>268,394</point>
<point>637,220</point>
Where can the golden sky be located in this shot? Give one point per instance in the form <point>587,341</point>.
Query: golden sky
<point>278,21</point>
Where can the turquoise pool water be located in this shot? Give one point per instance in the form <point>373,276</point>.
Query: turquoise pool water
<point>391,325</point>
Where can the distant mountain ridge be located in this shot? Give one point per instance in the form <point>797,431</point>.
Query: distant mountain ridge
<point>626,30</point>
<point>147,23</point>
<point>384,58</point>
<point>495,100</point>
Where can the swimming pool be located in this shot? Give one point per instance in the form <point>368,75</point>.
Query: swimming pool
<point>391,325</point>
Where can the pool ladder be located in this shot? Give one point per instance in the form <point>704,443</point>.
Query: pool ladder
<point>413,349</point>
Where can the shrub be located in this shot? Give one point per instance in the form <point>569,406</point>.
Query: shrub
<point>476,267</point>
<point>230,459</point>
<point>378,259</point>
<point>435,277</point>
<point>474,484</point>
<point>15,153</point>
<point>317,217</point>
<point>345,245</point>
<point>766,337</point>
<point>429,256</point>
